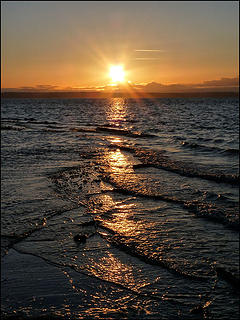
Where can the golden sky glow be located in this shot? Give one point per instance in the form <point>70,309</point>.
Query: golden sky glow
<point>64,44</point>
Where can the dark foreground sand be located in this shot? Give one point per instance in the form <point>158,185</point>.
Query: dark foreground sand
<point>43,290</point>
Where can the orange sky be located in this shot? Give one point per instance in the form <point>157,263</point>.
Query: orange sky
<point>72,44</point>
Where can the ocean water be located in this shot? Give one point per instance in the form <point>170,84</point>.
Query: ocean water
<point>120,208</point>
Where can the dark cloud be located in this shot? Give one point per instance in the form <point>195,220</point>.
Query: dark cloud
<point>226,82</point>
<point>39,87</point>
<point>46,87</point>
<point>223,84</point>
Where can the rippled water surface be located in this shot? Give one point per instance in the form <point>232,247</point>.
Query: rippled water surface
<point>120,208</point>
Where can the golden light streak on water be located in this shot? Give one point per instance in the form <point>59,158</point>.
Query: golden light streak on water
<point>117,111</point>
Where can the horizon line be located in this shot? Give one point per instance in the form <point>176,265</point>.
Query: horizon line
<point>118,94</point>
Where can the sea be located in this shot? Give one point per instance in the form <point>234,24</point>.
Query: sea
<point>120,208</point>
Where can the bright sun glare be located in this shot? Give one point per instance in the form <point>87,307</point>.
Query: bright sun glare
<point>117,73</point>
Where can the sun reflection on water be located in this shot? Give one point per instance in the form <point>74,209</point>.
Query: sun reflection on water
<point>120,172</point>
<point>102,203</point>
<point>116,111</point>
<point>118,162</point>
<point>115,140</point>
<point>112,269</point>
<point>116,212</point>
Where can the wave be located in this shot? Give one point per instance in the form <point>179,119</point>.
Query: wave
<point>192,145</point>
<point>113,131</point>
<point>135,250</point>
<point>209,211</point>
<point>208,205</point>
<point>12,127</point>
<point>214,213</point>
<point>232,151</point>
<point>82,129</point>
<point>124,132</point>
<point>31,124</point>
<point>158,159</point>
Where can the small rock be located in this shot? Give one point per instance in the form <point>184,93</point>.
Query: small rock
<point>80,238</point>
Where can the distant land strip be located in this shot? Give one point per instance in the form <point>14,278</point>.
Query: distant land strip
<point>104,95</point>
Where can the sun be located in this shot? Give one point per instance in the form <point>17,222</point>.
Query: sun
<point>117,73</point>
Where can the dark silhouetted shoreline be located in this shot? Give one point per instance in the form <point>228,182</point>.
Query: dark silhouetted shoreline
<point>102,95</point>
